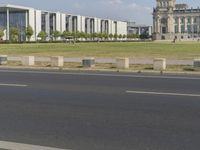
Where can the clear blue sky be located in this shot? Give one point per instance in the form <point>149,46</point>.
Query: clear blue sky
<point>134,10</point>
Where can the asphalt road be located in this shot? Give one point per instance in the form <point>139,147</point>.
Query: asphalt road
<point>106,111</point>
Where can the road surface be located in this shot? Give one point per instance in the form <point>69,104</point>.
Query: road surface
<point>98,111</point>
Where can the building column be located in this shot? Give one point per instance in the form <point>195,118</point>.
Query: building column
<point>158,25</point>
<point>154,25</point>
<point>170,24</point>
<point>88,25</point>
<point>8,25</point>
<point>186,23</point>
<point>179,25</point>
<point>70,23</point>
<point>192,24</point>
<point>47,24</point>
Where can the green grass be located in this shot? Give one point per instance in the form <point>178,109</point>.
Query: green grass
<point>180,50</point>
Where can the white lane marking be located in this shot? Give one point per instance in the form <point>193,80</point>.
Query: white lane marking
<point>13,85</point>
<point>163,93</point>
<point>104,75</point>
<point>19,146</point>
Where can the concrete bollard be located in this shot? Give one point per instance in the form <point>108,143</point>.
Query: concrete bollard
<point>3,59</point>
<point>122,63</point>
<point>159,64</point>
<point>57,61</point>
<point>88,62</point>
<point>196,64</point>
<point>28,60</point>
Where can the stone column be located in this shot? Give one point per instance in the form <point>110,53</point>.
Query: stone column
<point>192,24</point>
<point>179,25</point>
<point>8,25</point>
<point>186,22</point>
<point>158,25</point>
<point>154,25</point>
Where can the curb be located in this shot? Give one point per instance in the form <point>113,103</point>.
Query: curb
<point>103,70</point>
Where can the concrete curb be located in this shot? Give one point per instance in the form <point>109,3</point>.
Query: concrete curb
<point>103,70</point>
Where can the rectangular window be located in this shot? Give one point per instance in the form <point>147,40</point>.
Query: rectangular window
<point>189,28</point>
<point>176,28</point>
<point>182,29</point>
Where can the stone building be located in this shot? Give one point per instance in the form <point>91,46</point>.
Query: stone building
<point>175,21</point>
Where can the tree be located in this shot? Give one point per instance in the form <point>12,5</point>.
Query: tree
<point>115,36</point>
<point>124,36</point>
<point>29,32</point>
<point>120,36</point>
<point>56,34</point>
<point>100,35</point>
<point>87,36</point>
<point>66,34</point>
<point>43,35</point>
<point>14,34</point>
<point>82,35</point>
<point>1,33</point>
<point>94,35</point>
<point>105,35</point>
<point>111,36</point>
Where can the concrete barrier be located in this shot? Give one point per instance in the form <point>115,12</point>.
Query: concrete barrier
<point>122,63</point>
<point>28,60</point>
<point>57,61</point>
<point>3,59</point>
<point>88,62</point>
<point>159,64</point>
<point>196,64</point>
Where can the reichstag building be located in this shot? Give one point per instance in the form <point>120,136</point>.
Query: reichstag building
<point>175,21</point>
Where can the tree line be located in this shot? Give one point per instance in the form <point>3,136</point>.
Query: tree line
<point>15,32</point>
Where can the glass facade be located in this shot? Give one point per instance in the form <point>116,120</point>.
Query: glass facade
<point>43,23</point>
<point>18,20</point>
<point>52,23</point>
<point>3,20</point>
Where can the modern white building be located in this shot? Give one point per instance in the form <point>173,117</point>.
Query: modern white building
<point>139,29</point>
<point>39,20</point>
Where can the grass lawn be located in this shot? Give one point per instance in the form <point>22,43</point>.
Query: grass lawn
<point>180,50</point>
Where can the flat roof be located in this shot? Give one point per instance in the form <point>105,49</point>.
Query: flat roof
<point>15,6</point>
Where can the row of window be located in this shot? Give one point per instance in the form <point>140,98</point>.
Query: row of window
<point>189,20</point>
<point>190,29</point>
<point>164,4</point>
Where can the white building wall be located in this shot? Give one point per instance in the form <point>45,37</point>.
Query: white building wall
<point>63,22</point>
<point>38,22</point>
<point>58,22</point>
<point>31,22</point>
<point>121,27</point>
<point>113,27</point>
<point>79,23</point>
<point>109,26</point>
<point>82,24</point>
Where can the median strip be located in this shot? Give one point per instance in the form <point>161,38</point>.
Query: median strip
<point>163,93</point>
<point>19,146</point>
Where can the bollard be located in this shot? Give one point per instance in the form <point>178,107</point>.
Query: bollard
<point>57,61</point>
<point>196,64</point>
<point>88,62</point>
<point>3,59</point>
<point>28,60</point>
<point>159,64</point>
<point>122,63</point>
